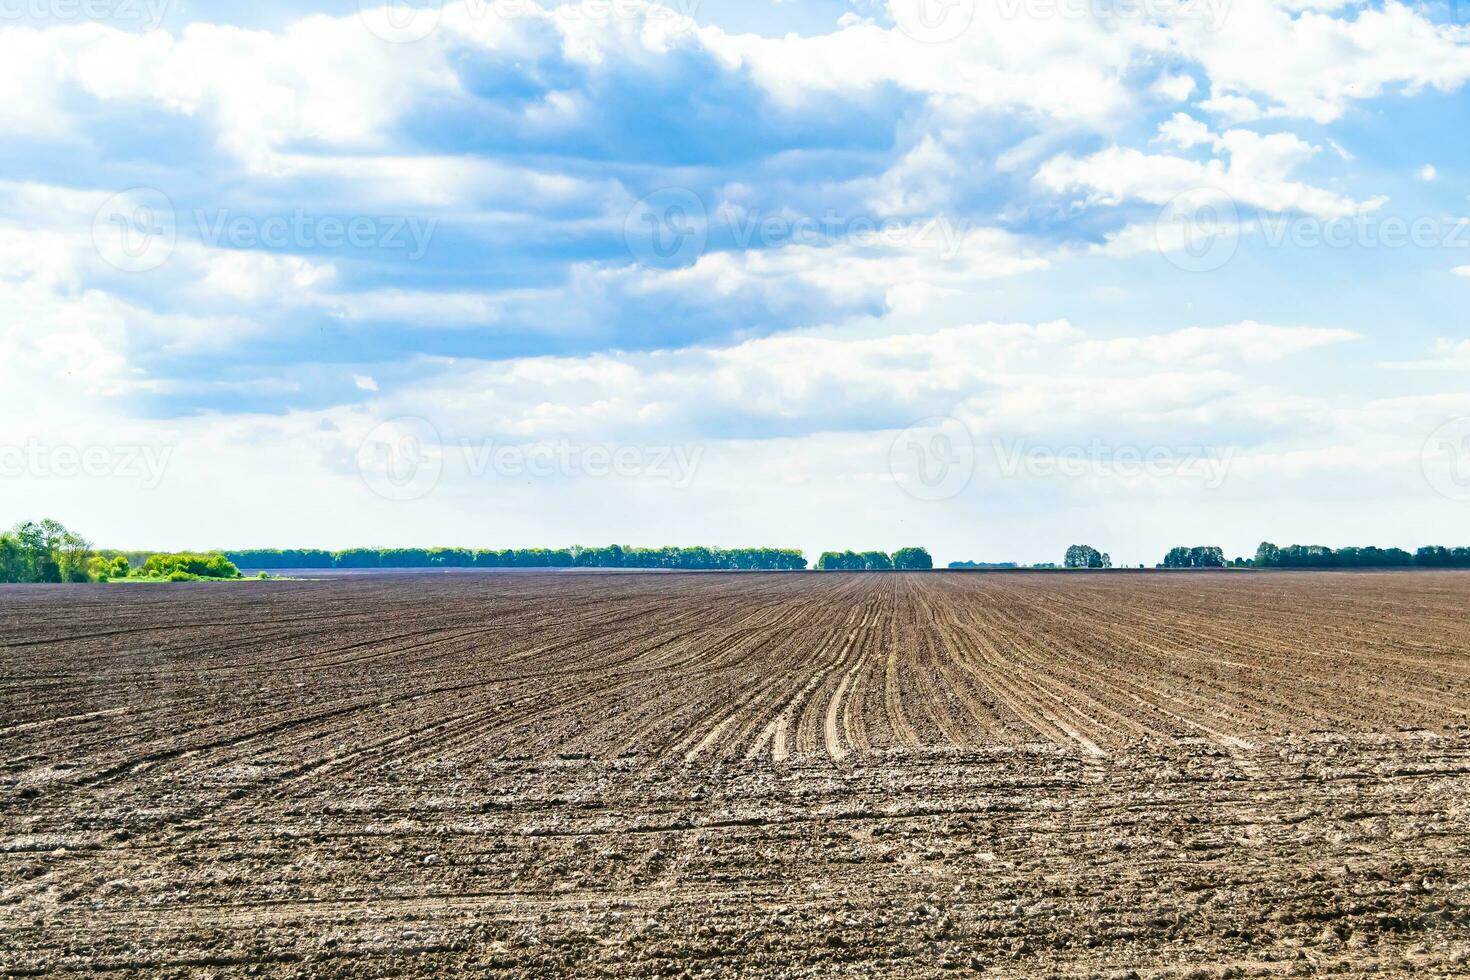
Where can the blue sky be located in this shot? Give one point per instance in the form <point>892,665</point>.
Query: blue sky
<point>992,276</point>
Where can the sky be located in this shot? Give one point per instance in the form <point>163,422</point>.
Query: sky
<point>991,277</point>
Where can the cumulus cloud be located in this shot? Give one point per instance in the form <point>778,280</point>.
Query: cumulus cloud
<point>1255,176</point>
<point>1304,60</point>
<point>1249,341</point>
<point>1446,355</point>
<point>1036,377</point>
<point>1184,131</point>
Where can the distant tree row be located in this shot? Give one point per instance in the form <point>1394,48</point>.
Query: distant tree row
<point>983,564</point>
<point>904,559</point>
<point>1086,556</point>
<point>612,556</point>
<point>1269,555</point>
<point>1209,557</point>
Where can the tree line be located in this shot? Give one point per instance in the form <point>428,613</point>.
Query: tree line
<point>41,552</point>
<point>1207,557</point>
<point>1269,555</point>
<point>904,559</point>
<point>613,556</point>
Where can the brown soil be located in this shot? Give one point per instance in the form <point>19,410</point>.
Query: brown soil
<point>1193,775</point>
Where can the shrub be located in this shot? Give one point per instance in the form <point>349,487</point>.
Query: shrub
<point>211,565</point>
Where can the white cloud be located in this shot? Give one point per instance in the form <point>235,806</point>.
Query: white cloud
<point>1065,68</point>
<point>1446,355</point>
<point>1428,173</point>
<point>1313,64</point>
<point>321,79</point>
<point>1184,131</point>
<point>254,277</point>
<point>1248,341</point>
<point>1039,378</point>
<point>1255,176</point>
<point>1174,88</point>
<point>1232,108</point>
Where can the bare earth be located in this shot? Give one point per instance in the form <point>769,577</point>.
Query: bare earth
<point>1190,775</point>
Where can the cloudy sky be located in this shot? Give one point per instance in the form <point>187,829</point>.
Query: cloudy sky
<point>993,277</point>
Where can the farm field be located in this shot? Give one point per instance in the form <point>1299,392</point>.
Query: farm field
<point>795,775</point>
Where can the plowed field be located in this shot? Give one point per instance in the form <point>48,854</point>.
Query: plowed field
<point>1193,775</point>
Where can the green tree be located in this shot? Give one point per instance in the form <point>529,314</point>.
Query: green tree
<point>912,559</point>
<point>73,556</point>
<point>13,565</point>
<point>44,552</point>
<point>1209,557</point>
<point>1085,556</point>
<point>1177,558</point>
<point>839,561</point>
